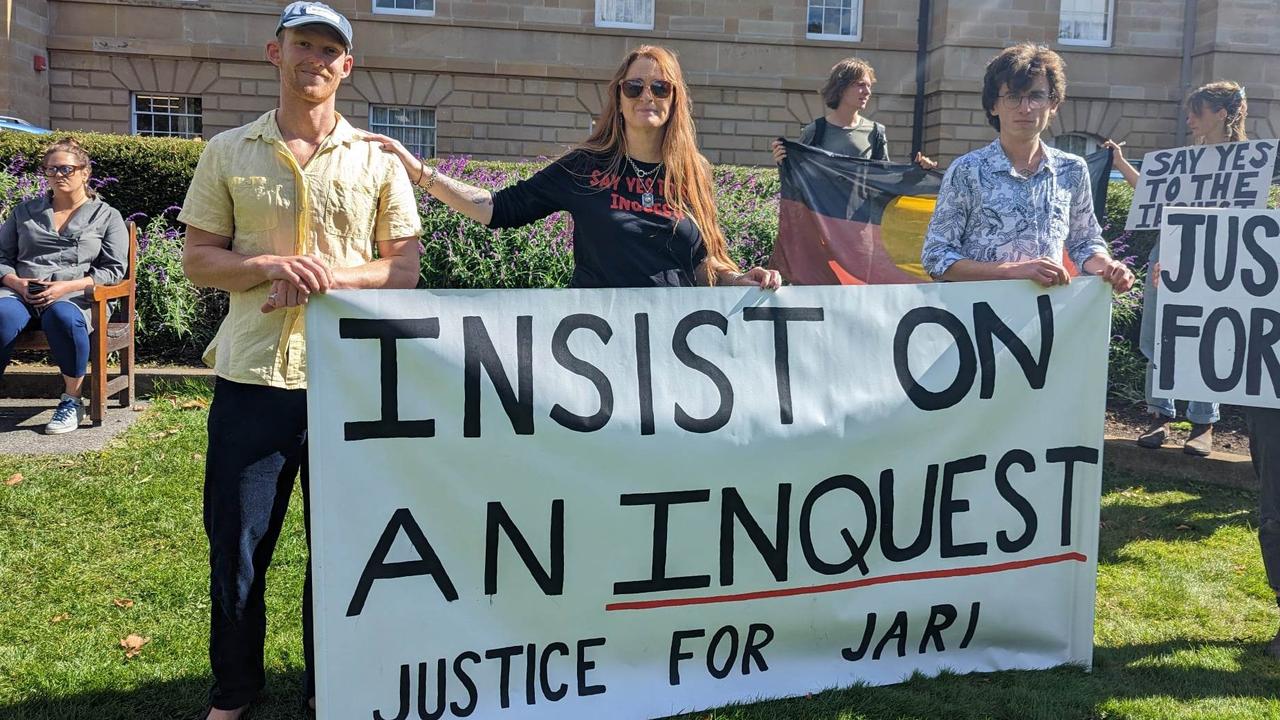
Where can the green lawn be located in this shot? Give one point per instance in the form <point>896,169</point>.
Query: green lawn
<point>1183,605</point>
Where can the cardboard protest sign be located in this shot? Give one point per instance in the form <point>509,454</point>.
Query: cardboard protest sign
<point>1218,307</point>
<point>1231,175</point>
<point>633,503</point>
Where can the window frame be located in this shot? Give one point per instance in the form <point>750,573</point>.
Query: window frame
<point>856,10</point>
<point>382,128</point>
<point>1108,39</point>
<point>1090,138</point>
<point>134,112</point>
<point>400,11</point>
<point>601,23</point>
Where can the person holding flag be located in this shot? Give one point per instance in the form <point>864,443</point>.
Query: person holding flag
<point>843,129</point>
<point>1013,208</point>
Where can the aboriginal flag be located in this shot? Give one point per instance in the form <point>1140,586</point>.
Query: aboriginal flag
<point>849,221</point>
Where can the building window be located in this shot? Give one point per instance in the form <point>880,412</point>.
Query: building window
<point>415,128</point>
<point>167,116</point>
<point>1076,143</point>
<point>834,20</point>
<point>1086,22</point>
<point>405,7</point>
<point>625,14</point>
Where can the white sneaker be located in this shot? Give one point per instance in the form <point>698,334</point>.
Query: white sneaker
<point>67,417</point>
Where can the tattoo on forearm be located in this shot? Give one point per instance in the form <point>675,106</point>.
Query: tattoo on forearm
<point>477,196</point>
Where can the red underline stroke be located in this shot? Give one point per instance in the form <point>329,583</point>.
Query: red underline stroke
<point>848,585</point>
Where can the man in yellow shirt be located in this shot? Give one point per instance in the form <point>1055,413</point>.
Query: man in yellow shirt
<point>291,204</point>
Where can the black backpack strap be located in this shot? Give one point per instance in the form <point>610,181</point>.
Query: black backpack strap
<point>819,130</point>
<point>879,143</point>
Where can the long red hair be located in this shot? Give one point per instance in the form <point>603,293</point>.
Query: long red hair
<point>688,182</point>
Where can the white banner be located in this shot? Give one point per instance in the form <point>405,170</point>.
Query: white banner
<point>1231,175</point>
<point>633,503</point>
<point>1218,308</point>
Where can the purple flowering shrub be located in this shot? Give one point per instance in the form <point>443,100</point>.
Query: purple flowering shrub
<point>176,320</point>
<point>458,253</point>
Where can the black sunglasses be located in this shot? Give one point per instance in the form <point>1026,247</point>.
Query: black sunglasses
<point>60,170</point>
<point>661,89</point>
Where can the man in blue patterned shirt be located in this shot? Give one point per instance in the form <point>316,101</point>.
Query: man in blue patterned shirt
<point>1010,209</point>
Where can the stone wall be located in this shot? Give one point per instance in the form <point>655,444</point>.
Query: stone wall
<point>523,78</point>
<point>24,91</point>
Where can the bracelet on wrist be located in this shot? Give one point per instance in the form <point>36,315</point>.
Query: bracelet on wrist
<point>431,180</point>
<point>422,167</point>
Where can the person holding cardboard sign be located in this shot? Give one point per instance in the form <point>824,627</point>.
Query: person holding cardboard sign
<point>1009,210</point>
<point>1215,114</point>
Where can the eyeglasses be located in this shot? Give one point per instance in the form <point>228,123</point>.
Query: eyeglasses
<point>1036,100</point>
<point>59,170</point>
<point>632,88</point>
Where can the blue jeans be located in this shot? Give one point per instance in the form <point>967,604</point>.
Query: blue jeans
<point>63,322</point>
<point>1198,411</point>
<point>257,447</point>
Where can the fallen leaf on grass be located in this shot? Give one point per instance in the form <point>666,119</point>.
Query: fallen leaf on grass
<point>133,645</point>
<point>60,618</point>
<point>196,404</point>
<point>1183,528</point>
<point>122,603</point>
<point>1239,569</point>
<point>14,479</point>
<point>137,407</point>
<point>164,433</point>
<point>197,456</point>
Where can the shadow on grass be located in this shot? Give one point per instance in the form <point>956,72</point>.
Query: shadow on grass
<point>180,699</point>
<point>1209,509</point>
<point>1159,672</point>
<point>1129,673</point>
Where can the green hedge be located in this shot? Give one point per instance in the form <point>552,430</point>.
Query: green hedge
<point>135,174</point>
<point>145,178</point>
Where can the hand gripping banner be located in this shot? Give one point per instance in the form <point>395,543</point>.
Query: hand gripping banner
<point>633,503</point>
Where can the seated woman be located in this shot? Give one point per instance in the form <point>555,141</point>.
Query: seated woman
<point>638,190</point>
<point>843,129</point>
<point>1215,114</point>
<point>52,249</point>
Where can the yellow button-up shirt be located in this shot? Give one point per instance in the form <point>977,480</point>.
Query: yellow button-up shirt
<point>249,187</point>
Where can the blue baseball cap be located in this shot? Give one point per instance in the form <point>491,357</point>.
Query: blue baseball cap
<point>314,13</point>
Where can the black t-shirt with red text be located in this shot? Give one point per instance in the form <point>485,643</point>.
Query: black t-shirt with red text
<point>617,241</point>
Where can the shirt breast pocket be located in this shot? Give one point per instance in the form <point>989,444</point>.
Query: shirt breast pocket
<point>88,246</point>
<point>1060,207</point>
<point>349,209</point>
<point>255,203</point>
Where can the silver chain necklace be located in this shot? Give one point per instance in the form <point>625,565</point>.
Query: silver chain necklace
<point>646,199</point>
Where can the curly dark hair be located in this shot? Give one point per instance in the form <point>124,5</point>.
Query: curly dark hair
<point>1017,67</point>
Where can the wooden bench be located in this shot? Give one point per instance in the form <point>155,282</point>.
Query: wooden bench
<point>107,337</point>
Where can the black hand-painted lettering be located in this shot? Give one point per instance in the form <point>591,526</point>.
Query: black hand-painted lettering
<point>560,351</point>
<point>550,581</point>
<point>780,316</point>
<point>387,332</point>
<point>377,568</point>
<point>680,346</point>
<point>658,580</point>
<point>479,353</point>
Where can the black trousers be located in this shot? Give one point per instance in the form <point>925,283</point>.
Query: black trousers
<point>1264,446</point>
<point>257,447</point>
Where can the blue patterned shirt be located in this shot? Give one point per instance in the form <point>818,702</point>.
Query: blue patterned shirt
<point>989,213</point>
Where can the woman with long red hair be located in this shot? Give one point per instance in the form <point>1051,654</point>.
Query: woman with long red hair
<point>638,190</point>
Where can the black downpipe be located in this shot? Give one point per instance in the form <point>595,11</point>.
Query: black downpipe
<point>922,57</point>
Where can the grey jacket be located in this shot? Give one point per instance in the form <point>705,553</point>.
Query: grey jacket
<point>94,243</point>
